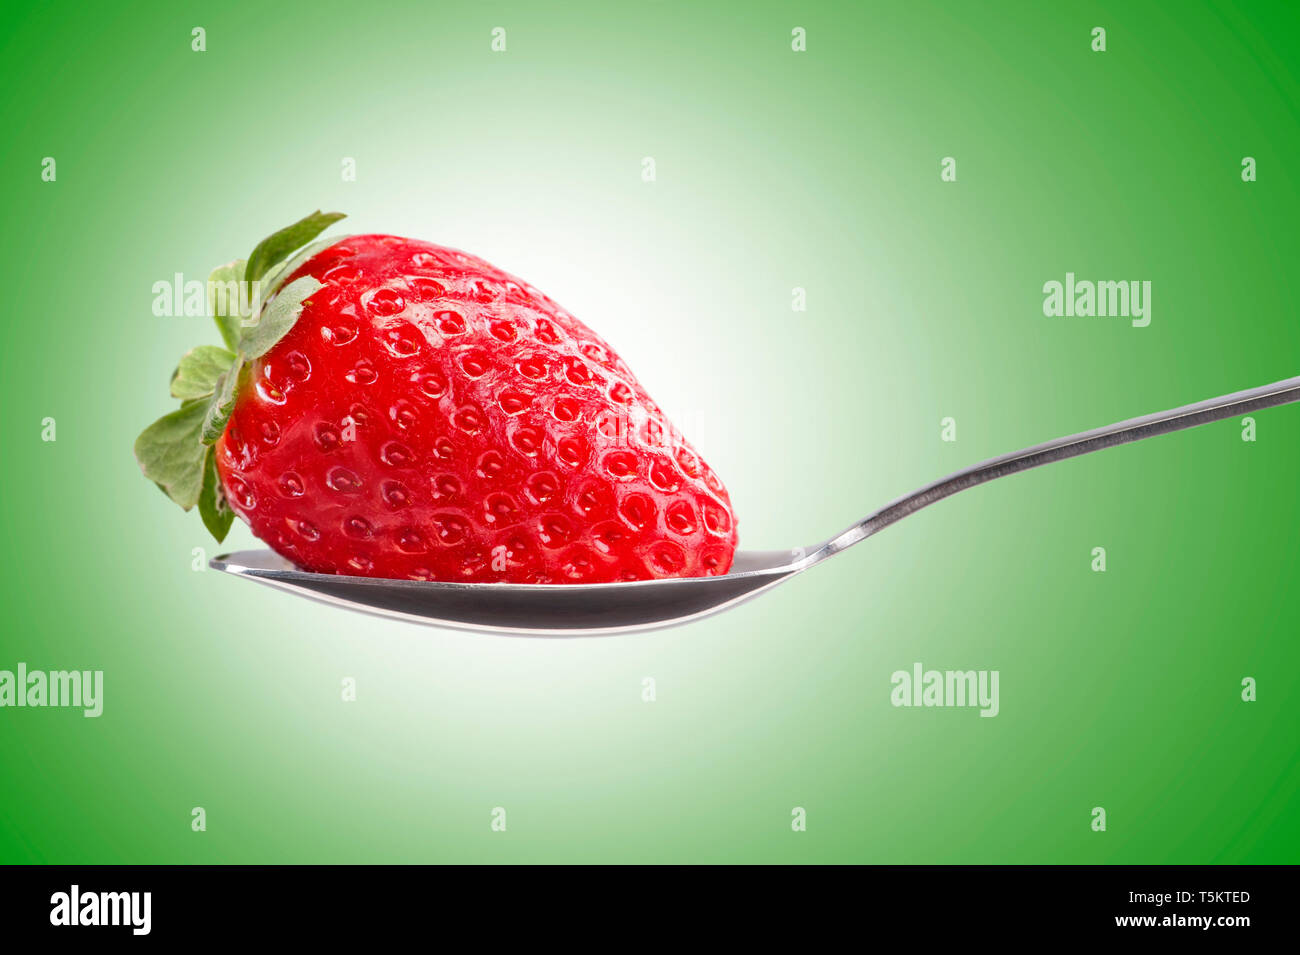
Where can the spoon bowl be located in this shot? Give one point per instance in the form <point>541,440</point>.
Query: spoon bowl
<point>552,610</point>
<point>560,610</point>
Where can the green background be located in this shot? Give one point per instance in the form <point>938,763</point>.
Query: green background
<point>775,170</point>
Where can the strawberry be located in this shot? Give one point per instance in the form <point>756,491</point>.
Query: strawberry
<point>393,408</point>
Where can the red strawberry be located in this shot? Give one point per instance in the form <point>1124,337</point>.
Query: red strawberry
<point>406,410</point>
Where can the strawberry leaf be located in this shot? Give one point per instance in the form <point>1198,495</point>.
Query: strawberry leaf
<point>221,404</point>
<point>196,375</point>
<point>280,273</point>
<point>175,452</point>
<point>216,513</point>
<point>276,247</point>
<point>225,285</point>
<point>170,455</point>
<point>277,317</point>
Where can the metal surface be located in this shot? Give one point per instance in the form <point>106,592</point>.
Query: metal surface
<point>557,610</point>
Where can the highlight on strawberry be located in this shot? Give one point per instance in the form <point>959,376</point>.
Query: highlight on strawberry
<point>386,407</point>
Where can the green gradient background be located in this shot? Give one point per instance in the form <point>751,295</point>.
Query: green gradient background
<point>775,170</point>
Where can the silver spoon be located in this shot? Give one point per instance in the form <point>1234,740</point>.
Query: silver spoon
<point>556,610</point>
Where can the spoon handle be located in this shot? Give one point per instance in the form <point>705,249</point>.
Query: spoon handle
<point>1134,429</point>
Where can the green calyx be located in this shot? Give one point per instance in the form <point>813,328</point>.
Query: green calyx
<point>253,309</point>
